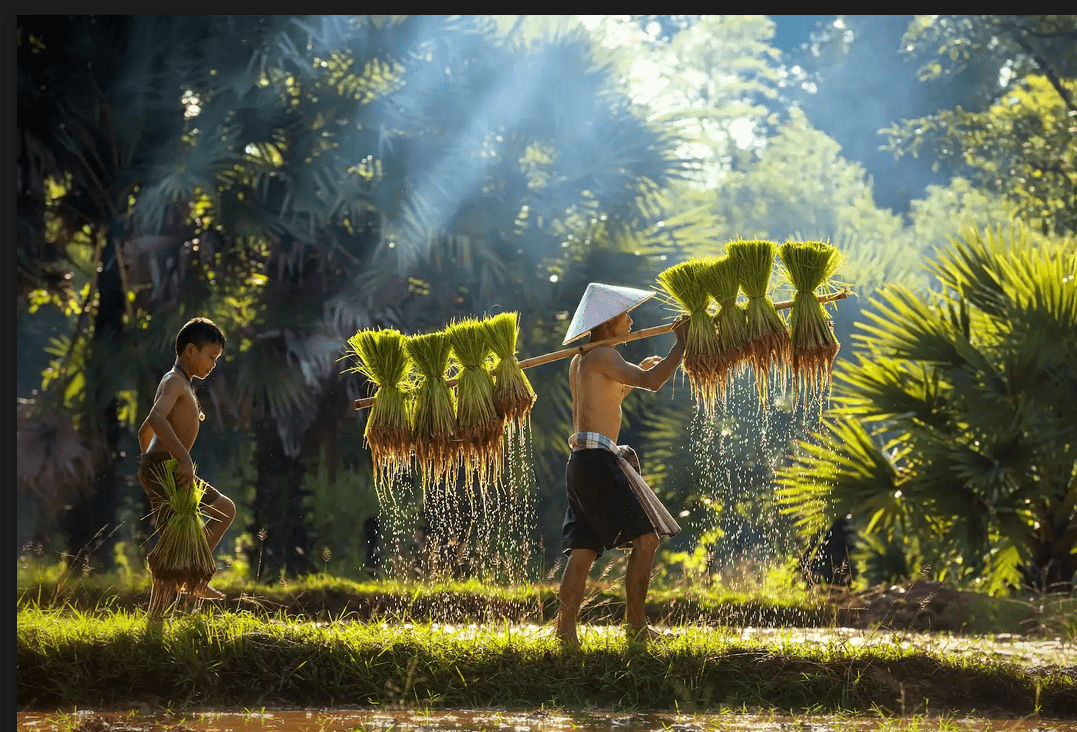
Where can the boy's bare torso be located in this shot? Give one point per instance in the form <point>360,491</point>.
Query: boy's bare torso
<point>183,417</point>
<point>596,398</point>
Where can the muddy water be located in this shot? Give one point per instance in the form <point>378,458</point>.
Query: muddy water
<point>494,721</point>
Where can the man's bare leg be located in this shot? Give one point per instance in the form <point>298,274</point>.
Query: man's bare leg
<point>637,581</point>
<point>573,583</point>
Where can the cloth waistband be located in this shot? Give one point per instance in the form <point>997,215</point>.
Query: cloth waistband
<point>663,523</point>
<point>591,441</point>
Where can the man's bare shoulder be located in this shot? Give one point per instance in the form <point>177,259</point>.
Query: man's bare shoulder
<point>604,356</point>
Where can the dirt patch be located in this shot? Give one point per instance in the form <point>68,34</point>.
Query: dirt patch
<point>925,605</point>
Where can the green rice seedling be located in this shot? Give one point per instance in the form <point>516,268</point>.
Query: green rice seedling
<point>809,265</point>
<point>722,281</point>
<point>433,424</point>
<point>182,558</point>
<point>479,427</point>
<point>513,395</point>
<point>768,336</point>
<point>381,357</point>
<point>683,283</point>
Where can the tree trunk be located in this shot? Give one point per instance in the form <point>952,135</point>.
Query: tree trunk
<point>279,516</point>
<point>90,525</point>
<point>1052,570</point>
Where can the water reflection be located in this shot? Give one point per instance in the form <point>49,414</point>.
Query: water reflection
<point>501,721</point>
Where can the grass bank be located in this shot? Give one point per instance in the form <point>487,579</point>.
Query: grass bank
<point>918,606</point>
<point>70,658</point>
<point>324,597</point>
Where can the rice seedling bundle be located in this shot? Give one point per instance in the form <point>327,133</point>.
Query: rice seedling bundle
<point>479,428</point>
<point>513,395</point>
<point>768,336</point>
<point>182,557</point>
<point>808,266</point>
<point>683,283</point>
<point>433,421</point>
<point>722,282</point>
<point>381,357</point>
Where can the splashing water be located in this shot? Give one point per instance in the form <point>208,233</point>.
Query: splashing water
<point>734,454</point>
<point>460,530</point>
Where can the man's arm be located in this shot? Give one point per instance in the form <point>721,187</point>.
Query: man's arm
<point>615,367</point>
<point>646,364</point>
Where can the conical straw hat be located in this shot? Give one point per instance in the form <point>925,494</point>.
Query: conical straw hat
<point>601,303</point>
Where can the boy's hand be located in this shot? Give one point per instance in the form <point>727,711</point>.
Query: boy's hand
<point>680,327</point>
<point>184,472</point>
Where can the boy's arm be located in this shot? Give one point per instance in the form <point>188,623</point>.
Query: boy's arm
<point>157,423</point>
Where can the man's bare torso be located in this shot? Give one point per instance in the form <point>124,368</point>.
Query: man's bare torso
<point>596,398</point>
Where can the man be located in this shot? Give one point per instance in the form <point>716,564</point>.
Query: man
<point>609,504</point>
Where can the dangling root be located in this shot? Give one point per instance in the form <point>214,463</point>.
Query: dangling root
<point>513,395</point>
<point>706,378</point>
<point>390,451</point>
<point>767,354</point>
<point>813,365</point>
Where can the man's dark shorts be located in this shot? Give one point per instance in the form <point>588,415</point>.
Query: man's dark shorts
<point>150,464</point>
<point>603,512</point>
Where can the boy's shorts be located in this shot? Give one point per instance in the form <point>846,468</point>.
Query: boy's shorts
<point>603,512</point>
<point>149,465</point>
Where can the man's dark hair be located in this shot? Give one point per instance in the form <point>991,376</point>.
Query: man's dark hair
<point>199,331</point>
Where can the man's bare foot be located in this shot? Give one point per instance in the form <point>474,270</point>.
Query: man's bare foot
<point>641,634</point>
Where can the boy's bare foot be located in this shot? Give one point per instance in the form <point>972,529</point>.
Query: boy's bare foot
<point>211,593</point>
<point>206,593</point>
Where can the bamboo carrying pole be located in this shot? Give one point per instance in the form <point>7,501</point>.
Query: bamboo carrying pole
<point>627,338</point>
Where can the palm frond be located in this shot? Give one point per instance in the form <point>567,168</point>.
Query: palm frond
<point>841,470</point>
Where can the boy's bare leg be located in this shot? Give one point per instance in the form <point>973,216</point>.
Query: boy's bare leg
<point>570,595</point>
<point>637,581</point>
<point>220,513</point>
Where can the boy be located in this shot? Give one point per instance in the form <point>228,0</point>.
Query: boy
<point>609,504</point>
<point>170,430</point>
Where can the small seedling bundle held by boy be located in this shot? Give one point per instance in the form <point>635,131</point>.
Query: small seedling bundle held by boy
<point>182,558</point>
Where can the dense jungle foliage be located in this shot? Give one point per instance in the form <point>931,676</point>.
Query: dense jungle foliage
<point>297,178</point>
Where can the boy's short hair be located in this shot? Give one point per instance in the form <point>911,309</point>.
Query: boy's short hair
<point>199,331</point>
